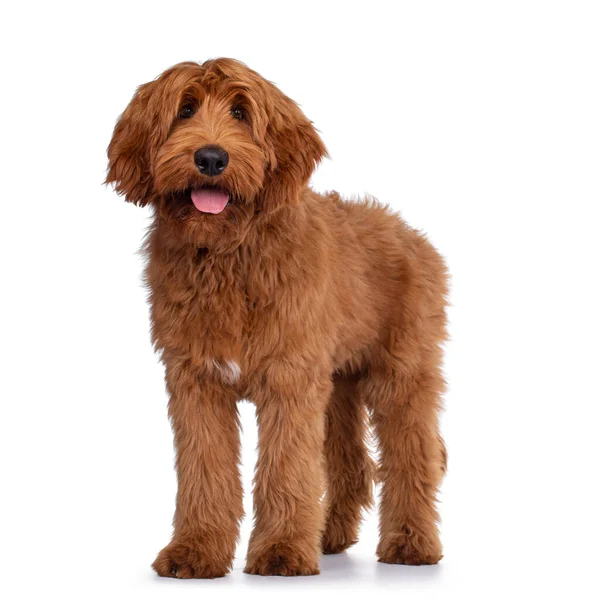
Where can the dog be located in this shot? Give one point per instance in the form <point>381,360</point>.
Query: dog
<point>327,314</point>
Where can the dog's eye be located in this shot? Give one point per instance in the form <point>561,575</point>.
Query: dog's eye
<point>237,112</point>
<point>187,112</point>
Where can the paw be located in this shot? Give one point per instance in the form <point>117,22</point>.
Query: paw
<point>410,548</point>
<point>281,559</point>
<point>336,540</point>
<point>186,560</point>
<point>330,547</point>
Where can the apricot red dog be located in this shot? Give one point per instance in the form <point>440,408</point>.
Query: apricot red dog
<point>318,310</point>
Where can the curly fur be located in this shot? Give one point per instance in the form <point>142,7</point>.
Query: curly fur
<point>318,310</point>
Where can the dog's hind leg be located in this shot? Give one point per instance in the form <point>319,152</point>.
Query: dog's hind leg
<point>349,468</point>
<point>403,390</point>
<point>412,463</point>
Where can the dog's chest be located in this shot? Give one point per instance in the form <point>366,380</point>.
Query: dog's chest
<point>210,313</point>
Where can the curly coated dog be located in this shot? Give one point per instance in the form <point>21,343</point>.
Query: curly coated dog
<point>327,314</point>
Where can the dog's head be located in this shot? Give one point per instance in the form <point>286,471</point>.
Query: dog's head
<point>210,146</point>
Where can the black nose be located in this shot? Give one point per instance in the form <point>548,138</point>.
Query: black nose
<point>211,160</point>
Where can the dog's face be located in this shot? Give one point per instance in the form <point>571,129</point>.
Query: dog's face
<point>210,146</point>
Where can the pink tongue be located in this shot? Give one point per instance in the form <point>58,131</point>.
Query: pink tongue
<point>210,201</point>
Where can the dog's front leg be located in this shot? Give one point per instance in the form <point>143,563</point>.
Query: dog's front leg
<point>205,424</point>
<point>289,481</point>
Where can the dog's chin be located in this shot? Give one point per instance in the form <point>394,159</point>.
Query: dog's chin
<point>204,216</point>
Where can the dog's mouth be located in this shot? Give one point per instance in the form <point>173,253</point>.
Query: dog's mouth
<point>211,200</point>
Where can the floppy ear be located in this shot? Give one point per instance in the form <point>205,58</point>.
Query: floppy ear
<point>294,150</point>
<point>129,150</point>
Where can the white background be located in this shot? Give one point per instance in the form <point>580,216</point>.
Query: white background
<point>485,121</point>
